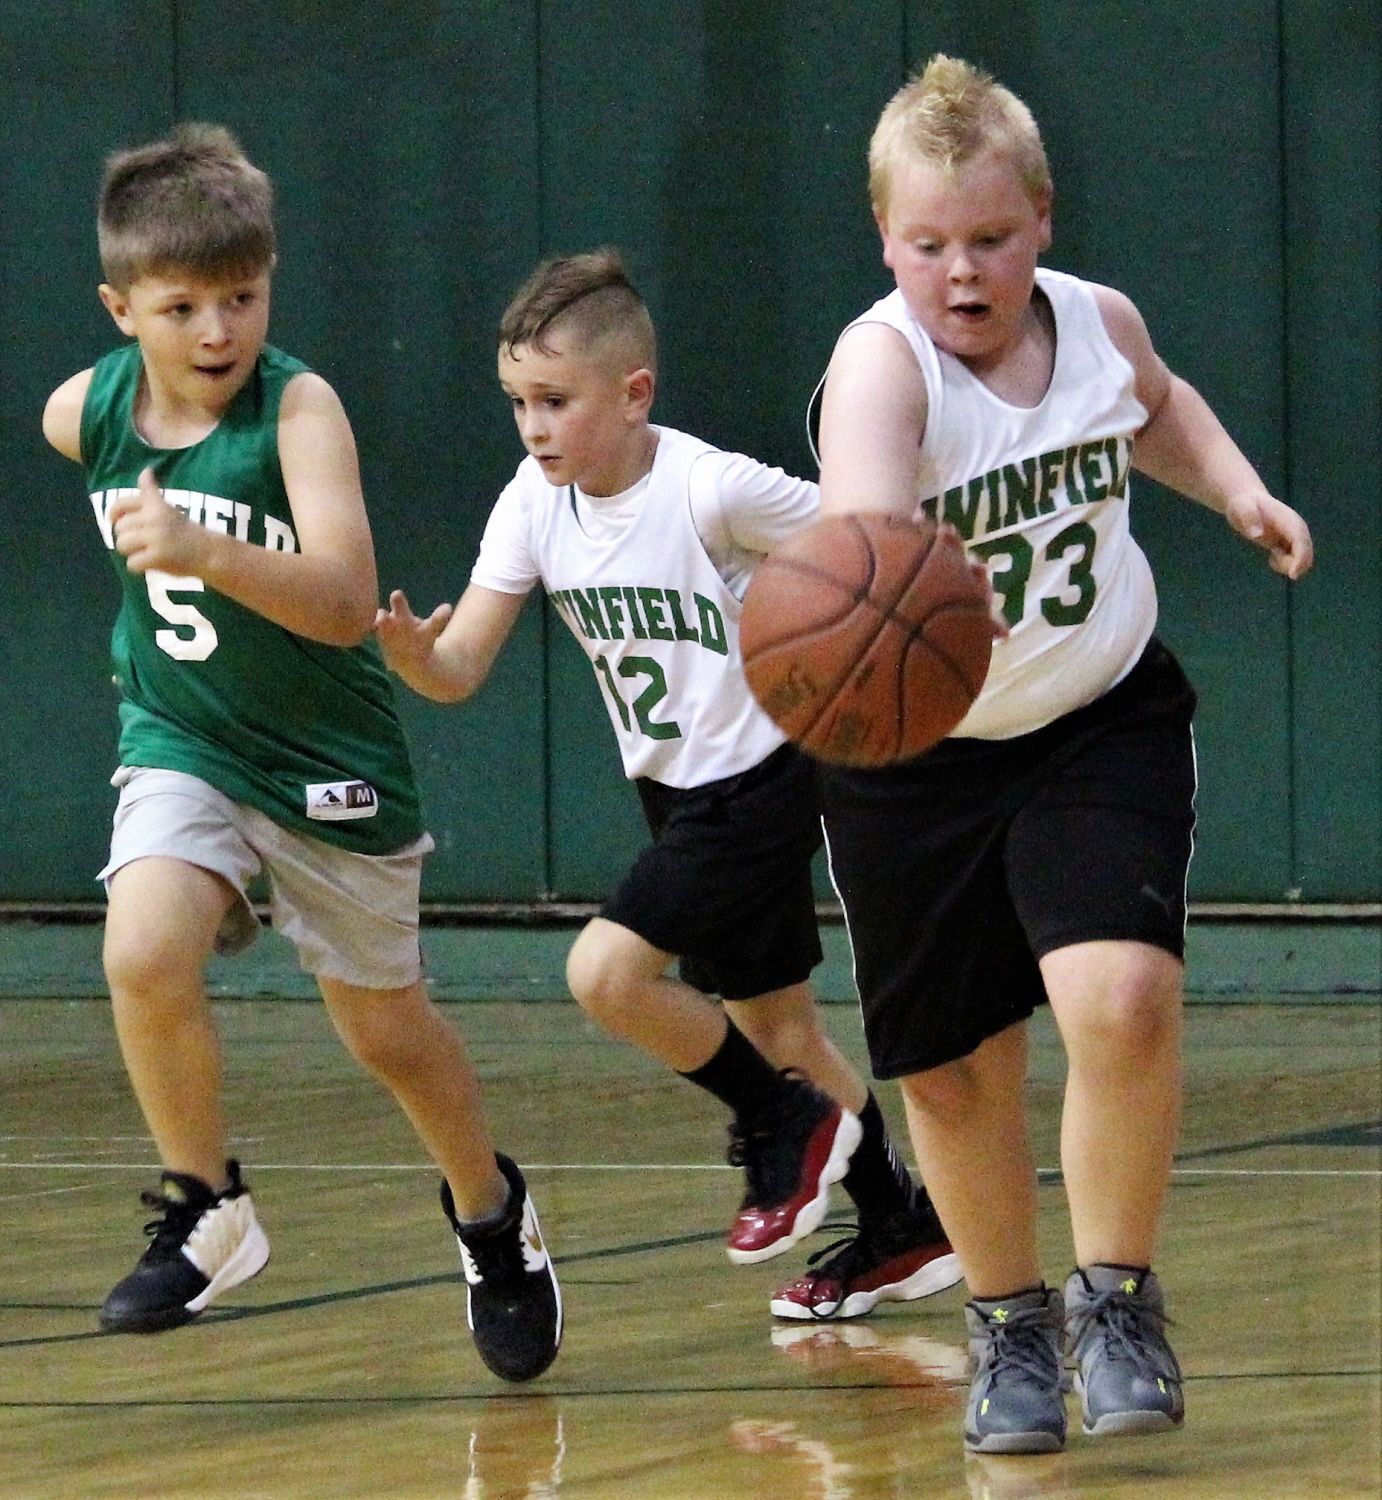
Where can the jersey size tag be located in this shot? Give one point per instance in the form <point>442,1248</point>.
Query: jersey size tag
<point>335,801</point>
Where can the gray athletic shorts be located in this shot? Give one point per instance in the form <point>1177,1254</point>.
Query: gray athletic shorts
<point>352,917</point>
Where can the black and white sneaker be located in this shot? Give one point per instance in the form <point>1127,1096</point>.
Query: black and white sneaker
<point>201,1245</point>
<point>513,1302</point>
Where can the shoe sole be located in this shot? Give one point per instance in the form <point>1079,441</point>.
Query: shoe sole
<point>1131,1424</point>
<point>1125,1423</point>
<point>811,1214</point>
<point>1015,1442</point>
<point>249,1259</point>
<point>935,1276</point>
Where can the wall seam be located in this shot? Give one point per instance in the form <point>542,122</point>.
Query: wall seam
<point>1293,853</point>
<point>549,839</point>
<point>175,42</point>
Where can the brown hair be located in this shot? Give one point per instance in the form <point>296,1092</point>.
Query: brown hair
<point>191,202</point>
<point>592,295</point>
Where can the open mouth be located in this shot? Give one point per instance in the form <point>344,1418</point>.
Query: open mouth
<point>215,371</point>
<point>969,312</point>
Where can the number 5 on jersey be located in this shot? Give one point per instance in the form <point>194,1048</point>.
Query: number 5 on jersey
<point>176,643</point>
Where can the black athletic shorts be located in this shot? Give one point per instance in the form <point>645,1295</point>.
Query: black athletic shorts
<point>726,884</point>
<point>960,870</point>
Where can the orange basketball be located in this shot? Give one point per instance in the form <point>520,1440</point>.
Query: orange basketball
<point>866,637</point>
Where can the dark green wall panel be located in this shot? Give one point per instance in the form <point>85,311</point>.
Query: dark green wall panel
<point>1214,161</point>
<point>69,99</point>
<point>1333,126</point>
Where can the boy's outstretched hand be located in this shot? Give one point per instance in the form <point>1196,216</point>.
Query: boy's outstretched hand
<point>405,642</point>
<point>1275,527</point>
<point>152,535</point>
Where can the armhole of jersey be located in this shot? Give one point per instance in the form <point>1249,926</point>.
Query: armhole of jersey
<point>1085,291</point>
<point>813,419</point>
<point>93,415</point>
<point>723,539</point>
<point>86,423</point>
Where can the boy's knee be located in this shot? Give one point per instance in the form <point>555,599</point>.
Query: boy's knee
<point>1133,1012</point>
<point>1129,1036</point>
<point>593,980</point>
<point>144,965</point>
<point>603,980</point>
<point>949,1091</point>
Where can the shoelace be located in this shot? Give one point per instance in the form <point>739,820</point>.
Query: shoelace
<point>169,1231</point>
<point>837,1260</point>
<point>1024,1346</point>
<point>862,1245</point>
<point>1128,1324</point>
<point>498,1257</point>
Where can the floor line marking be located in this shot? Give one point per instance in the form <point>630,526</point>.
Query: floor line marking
<point>81,1187</point>
<point>553,1392</point>
<point>579,1166</point>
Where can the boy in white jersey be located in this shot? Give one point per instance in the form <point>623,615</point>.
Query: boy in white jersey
<point>1039,853</point>
<point>644,538</point>
<point>258,734</point>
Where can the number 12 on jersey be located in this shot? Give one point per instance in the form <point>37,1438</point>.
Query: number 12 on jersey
<point>653,694</point>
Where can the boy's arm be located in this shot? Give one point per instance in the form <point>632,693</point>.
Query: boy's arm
<point>449,654</point>
<point>1185,447</point>
<point>873,416</point>
<point>62,416</point>
<point>326,590</point>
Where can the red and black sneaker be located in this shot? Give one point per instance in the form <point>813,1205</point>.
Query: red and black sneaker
<point>891,1260</point>
<point>791,1151</point>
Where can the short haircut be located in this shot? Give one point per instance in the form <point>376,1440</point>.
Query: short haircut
<point>191,202</point>
<point>592,296</point>
<point>948,114</point>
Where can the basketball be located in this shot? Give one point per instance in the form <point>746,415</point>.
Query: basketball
<point>866,637</point>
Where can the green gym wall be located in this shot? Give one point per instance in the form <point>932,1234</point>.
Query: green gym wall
<point>1219,161</point>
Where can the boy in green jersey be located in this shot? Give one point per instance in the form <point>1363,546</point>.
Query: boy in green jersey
<point>258,733</point>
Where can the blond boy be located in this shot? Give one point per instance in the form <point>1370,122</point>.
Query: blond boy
<point>1040,853</point>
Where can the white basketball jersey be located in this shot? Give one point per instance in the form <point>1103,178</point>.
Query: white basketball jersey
<point>1041,495</point>
<point>633,580</point>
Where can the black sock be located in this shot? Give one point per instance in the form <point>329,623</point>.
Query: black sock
<point>877,1180</point>
<point>738,1074</point>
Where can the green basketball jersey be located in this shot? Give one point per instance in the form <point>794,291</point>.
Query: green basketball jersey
<point>305,732</point>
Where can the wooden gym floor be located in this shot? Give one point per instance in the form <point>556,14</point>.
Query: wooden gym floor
<point>345,1369</point>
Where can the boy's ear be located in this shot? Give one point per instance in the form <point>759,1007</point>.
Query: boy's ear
<point>1043,208</point>
<point>117,304</point>
<point>639,387</point>
<point>882,224</point>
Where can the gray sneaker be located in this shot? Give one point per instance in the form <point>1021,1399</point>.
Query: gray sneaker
<point>1127,1377</point>
<point>1015,1401</point>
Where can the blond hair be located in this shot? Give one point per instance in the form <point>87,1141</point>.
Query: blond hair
<point>192,202</point>
<point>948,114</point>
<point>592,296</point>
